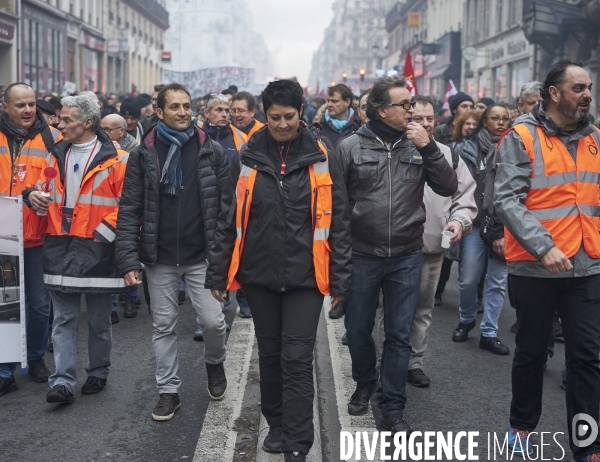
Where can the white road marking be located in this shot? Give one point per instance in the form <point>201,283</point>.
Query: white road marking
<point>342,377</point>
<point>217,438</point>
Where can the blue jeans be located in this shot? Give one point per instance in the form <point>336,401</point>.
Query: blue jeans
<point>37,309</point>
<point>400,278</point>
<point>475,254</point>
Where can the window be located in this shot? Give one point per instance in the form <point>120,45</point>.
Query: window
<point>512,13</point>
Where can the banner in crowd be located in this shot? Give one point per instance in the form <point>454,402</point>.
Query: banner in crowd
<point>13,338</point>
<point>213,80</point>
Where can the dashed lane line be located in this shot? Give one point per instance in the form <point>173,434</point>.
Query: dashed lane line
<point>217,439</point>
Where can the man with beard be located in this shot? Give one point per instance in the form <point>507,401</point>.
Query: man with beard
<point>546,195</point>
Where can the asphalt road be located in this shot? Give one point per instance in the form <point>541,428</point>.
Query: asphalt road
<point>470,391</point>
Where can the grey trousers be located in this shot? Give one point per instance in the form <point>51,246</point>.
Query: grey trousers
<point>430,275</point>
<point>163,285</point>
<point>64,335</point>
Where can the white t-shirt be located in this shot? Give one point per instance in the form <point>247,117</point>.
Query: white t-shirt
<point>80,154</point>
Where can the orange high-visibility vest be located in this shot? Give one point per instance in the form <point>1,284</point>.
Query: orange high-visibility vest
<point>97,202</point>
<point>28,168</point>
<point>320,194</point>
<point>239,137</point>
<point>564,194</point>
<point>257,126</point>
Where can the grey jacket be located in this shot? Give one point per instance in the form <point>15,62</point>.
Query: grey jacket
<point>512,183</point>
<point>440,210</point>
<point>385,190</point>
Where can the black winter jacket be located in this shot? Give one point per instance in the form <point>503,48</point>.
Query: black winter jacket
<point>277,252</point>
<point>139,204</point>
<point>385,190</point>
<point>328,131</point>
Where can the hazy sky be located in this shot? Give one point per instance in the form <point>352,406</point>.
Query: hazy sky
<point>293,30</point>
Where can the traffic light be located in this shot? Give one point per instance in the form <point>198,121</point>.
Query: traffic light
<point>345,76</point>
<point>362,73</point>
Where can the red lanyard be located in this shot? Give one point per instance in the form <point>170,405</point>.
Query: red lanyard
<point>283,161</point>
<point>84,170</point>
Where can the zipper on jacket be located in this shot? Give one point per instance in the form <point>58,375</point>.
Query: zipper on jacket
<point>314,221</point>
<point>390,204</point>
<point>244,210</point>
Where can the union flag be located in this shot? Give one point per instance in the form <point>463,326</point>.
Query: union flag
<point>409,75</point>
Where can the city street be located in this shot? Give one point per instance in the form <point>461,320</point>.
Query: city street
<point>470,391</point>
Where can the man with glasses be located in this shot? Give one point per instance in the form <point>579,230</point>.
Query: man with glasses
<point>218,128</point>
<point>243,109</point>
<point>231,138</point>
<point>386,164</point>
<point>115,127</point>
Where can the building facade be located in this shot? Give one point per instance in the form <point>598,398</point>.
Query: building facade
<point>355,41</point>
<point>224,33</point>
<point>430,30</point>
<point>75,45</point>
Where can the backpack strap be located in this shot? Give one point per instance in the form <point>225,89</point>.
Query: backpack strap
<point>48,138</point>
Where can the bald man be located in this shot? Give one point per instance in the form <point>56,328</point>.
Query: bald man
<point>115,127</point>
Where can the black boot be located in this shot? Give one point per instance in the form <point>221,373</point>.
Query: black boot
<point>272,442</point>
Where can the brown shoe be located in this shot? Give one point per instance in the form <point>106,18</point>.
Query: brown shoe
<point>166,407</point>
<point>130,310</point>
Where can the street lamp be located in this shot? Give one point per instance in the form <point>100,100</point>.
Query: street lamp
<point>362,73</point>
<point>345,76</point>
<point>333,84</point>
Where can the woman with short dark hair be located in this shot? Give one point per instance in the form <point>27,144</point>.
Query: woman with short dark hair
<point>284,236</point>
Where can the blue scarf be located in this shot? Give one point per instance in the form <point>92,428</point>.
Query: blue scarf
<point>337,123</point>
<point>171,176</point>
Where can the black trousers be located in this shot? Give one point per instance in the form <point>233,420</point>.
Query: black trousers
<point>285,324</point>
<point>578,304</point>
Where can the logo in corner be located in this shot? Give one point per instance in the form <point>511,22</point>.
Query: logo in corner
<point>580,430</point>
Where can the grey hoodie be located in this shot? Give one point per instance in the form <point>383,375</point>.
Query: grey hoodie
<point>513,171</point>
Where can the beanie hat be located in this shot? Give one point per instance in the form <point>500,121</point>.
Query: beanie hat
<point>487,101</point>
<point>45,106</point>
<point>457,99</point>
<point>131,107</point>
<point>144,99</point>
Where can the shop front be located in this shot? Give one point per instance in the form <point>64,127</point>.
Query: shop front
<point>44,48</point>
<point>508,67</point>
<point>92,54</point>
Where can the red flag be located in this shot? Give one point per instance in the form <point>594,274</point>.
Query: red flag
<point>409,75</point>
<point>450,91</point>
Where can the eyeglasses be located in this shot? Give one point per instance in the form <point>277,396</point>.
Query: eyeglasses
<point>406,105</point>
<point>110,130</point>
<point>238,111</point>
<point>497,119</point>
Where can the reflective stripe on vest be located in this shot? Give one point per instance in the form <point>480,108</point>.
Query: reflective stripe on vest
<point>239,137</point>
<point>563,195</point>
<point>70,281</point>
<point>321,207</point>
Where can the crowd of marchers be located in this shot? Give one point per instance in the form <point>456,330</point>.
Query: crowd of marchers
<point>367,200</point>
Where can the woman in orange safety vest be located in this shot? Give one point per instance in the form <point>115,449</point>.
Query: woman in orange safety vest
<point>284,236</point>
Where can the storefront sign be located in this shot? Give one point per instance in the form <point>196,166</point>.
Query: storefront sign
<point>94,43</point>
<point>508,49</point>
<point>414,19</point>
<point>113,46</point>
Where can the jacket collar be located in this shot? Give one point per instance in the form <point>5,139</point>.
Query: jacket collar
<point>309,152</point>
<point>107,154</point>
<point>539,117</point>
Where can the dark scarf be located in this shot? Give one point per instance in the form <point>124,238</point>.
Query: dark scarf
<point>487,143</point>
<point>20,134</point>
<point>171,176</point>
<point>246,129</point>
<point>384,131</point>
